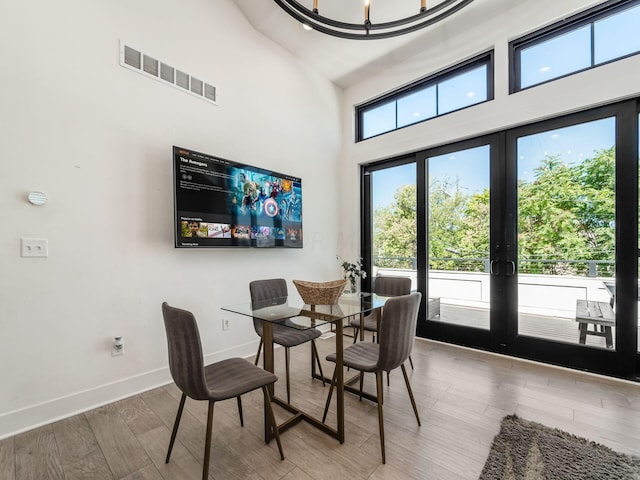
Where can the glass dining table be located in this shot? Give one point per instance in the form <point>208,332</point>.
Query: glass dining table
<point>294,314</point>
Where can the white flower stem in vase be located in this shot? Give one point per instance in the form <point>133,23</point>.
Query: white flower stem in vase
<point>352,272</point>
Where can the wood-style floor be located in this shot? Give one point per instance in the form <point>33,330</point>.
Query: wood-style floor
<point>461,394</point>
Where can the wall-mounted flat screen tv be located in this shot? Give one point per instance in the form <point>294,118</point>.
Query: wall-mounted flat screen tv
<point>220,203</point>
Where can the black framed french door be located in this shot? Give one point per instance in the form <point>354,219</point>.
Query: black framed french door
<point>571,240</point>
<point>508,234</point>
<point>462,243</point>
<point>437,228</point>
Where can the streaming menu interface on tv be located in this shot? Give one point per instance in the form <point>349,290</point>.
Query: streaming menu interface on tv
<point>220,203</point>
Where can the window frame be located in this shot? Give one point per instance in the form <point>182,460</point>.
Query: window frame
<point>554,30</point>
<point>624,361</point>
<point>483,59</point>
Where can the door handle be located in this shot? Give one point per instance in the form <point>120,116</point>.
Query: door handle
<point>513,268</point>
<point>493,267</point>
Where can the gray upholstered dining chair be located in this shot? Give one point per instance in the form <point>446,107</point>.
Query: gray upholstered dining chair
<point>276,288</point>
<point>386,287</point>
<point>395,341</point>
<point>219,381</point>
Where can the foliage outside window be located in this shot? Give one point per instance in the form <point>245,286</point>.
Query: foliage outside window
<point>394,231</point>
<point>567,212</point>
<point>566,218</point>
<point>458,227</point>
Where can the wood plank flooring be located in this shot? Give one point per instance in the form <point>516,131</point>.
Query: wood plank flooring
<point>461,394</point>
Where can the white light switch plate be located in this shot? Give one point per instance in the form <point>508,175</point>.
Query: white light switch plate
<point>34,247</point>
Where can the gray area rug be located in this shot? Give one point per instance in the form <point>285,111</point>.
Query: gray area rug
<point>529,450</point>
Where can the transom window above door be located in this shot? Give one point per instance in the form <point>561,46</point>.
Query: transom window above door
<point>461,86</point>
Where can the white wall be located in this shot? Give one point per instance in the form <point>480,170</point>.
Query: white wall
<point>97,138</point>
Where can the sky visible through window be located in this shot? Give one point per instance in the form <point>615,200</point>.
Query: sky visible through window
<point>602,40</point>
<point>614,36</point>
<point>572,144</point>
<point>464,89</point>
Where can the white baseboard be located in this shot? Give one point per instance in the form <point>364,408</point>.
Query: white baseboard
<point>33,416</point>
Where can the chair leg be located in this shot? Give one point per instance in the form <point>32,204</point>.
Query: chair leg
<point>240,410</point>
<point>286,365</point>
<point>314,351</point>
<point>276,432</point>
<point>380,416</point>
<point>361,383</point>
<point>175,427</point>
<point>207,443</point>
<point>259,350</point>
<point>413,401</point>
<point>410,361</point>
<point>356,330</point>
<point>326,406</point>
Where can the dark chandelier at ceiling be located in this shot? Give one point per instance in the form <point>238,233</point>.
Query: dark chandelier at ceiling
<point>367,30</point>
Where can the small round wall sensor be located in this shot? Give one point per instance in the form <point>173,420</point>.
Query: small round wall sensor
<point>37,198</point>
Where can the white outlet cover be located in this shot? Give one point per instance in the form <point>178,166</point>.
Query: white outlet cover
<point>34,247</point>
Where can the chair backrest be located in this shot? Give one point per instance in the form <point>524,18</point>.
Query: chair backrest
<point>185,352</point>
<point>267,289</point>
<point>392,286</point>
<point>398,330</point>
<point>262,290</point>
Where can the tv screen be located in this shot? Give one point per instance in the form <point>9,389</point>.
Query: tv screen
<point>220,203</point>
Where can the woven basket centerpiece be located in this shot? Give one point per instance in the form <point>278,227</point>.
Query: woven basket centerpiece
<point>320,293</point>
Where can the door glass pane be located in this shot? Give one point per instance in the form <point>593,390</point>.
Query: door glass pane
<point>393,197</point>
<point>616,36</point>
<point>556,57</point>
<point>566,234</point>
<point>458,237</point>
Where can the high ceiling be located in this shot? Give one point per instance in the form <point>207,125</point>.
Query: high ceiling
<point>346,62</point>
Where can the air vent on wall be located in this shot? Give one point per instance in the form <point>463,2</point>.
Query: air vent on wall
<point>134,59</point>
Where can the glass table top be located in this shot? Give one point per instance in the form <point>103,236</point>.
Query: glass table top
<point>291,313</point>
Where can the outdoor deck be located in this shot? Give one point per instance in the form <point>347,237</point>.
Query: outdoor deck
<point>551,328</point>
<point>547,303</point>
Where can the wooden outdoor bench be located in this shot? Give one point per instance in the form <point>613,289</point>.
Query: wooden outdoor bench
<point>599,314</point>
